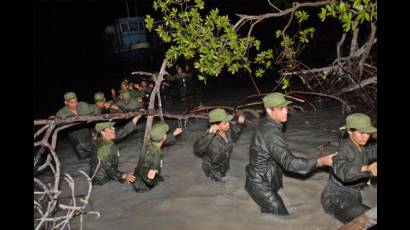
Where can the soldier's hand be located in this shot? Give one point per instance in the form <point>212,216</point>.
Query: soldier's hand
<point>115,107</point>
<point>214,128</point>
<point>107,105</point>
<point>151,174</point>
<point>241,119</point>
<point>373,168</point>
<point>113,92</point>
<point>136,118</point>
<point>128,177</point>
<point>94,135</point>
<point>177,131</point>
<point>326,160</point>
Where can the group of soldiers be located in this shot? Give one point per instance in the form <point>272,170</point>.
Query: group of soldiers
<point>269,154</point>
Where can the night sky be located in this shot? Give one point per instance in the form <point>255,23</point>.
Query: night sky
<point>69,51</point>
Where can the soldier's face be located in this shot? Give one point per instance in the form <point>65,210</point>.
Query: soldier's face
<point>224,126</point>
<point>278,114</point>
<point>179,70</point>
<point>108,133</point>
<point>359,138</point>
<point>124,86</point>
<point>100,104</point>
<point>71,104</point>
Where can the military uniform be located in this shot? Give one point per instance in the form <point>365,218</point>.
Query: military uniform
<point>98,97</point>
<point>132,104</point>
<point>109,154</point>
<point>214,150</point>
<point>83,108</point>
<point>184,84</point>
<point>341,197</point>
<point>151,159</point>
<point>269,155</point>
<point>80,138</point>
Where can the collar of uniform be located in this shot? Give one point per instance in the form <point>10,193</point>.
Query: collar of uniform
<point>103,141</point>
<point>66,110</point>
<point>151,145</point>
<point>274,123</point>
<point>353,145</point>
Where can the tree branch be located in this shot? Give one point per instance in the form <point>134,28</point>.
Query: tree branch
<point>295,7</point>
<point>339,44</point>
<point>363,83</point>
<point>369,45</point>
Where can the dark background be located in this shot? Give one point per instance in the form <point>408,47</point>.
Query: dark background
<point>69,54</point>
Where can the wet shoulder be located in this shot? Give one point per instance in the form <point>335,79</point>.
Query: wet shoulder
<point>346,150</point>
<point>104,150</point>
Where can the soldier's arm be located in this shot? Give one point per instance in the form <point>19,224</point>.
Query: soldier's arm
<point>236,130</point>
<point>282,155</point>
<point>170,139</point>
<point>371,153</point>
<point>61,114</point>
<point>124,131</point>
<point>345,169</point>
<point>201,145</point>
<point>150,161</point>
<point>93,110</point>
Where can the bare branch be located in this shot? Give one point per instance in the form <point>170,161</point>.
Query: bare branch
<point>369,45</point>
<point>295,7</point>
<point>158,81</point>
<point>274,7</point>
<point>339,44</point>
<point>363,83</point>
<point>40,130</point>
<point>345,105</point>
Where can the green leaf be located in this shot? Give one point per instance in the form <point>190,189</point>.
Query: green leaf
<point>259,72</point>
<point>278,33</point>
<point>149,22</point>
<point>367,16</point>
<point>202,78</point>
<point>155,5</point>
<point>199,4</point>
<point>301,16</point>
<point>285,83</point>
<point>257,44</point>
<point>322,15</point>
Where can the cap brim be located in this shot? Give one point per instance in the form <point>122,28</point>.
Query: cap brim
<point>283,104</point>
<point>111,124</point>
<point>229,118</point>
<point>369,129</point>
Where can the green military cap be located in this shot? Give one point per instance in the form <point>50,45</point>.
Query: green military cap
<point>219,115</point>
<point>103,125</point>
<point>126,95</point>
<point>69,96</point>
<point>99,96</point>
<point>359,121</point>
<point>274,100</point>
<point>159,130</point>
